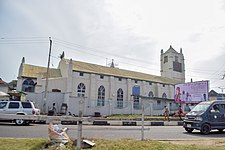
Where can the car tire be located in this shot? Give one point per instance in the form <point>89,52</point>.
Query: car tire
<point>27,122</point>
<point>19,122</point>
<point>205,129</point>
<point>189,130</point>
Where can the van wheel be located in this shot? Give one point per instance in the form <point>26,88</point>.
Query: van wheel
<point>189,130</point>
<point>19,122</point>
<point>205,129</point>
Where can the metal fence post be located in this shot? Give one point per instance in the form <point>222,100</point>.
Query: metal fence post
<point>142,119</point>
<point>79,136</point>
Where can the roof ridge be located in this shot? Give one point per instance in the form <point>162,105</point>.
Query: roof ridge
<point>99,69</point>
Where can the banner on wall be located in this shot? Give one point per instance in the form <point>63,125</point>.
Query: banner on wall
<point>136,90</point>
<point>192,92</point>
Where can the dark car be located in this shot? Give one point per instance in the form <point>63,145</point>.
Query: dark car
<point>206,116</point>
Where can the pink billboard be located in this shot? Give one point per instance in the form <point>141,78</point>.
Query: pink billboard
<point>192,92</point>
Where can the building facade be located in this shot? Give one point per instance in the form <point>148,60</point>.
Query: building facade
<point>100,89</point>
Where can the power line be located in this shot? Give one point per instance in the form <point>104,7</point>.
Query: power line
<point>77,47</point>
<point>96,50</point>
<point>22,40</point>
<point>100,54</point>
<point>19,38</point>
<point>23,43</point>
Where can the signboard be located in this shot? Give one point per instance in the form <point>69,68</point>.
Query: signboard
<point>192,92</point>
<point>136,90</point>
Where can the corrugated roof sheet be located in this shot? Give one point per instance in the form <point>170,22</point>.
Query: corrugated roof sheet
<point>32,71</point>
<point>103,70</point>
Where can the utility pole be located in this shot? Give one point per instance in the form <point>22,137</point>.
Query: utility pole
<point>46,83</point>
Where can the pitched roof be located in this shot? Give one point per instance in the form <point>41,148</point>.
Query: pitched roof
<point>213,93</point>
<point>103,70</point>
<point>1,81</point>
<point>171,49</point>
<point>33,71</point>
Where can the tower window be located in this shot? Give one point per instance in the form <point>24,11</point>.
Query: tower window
<point>165,59</point>
<point>177,66</point>
<point>176,58</point>
<point>81,74</point>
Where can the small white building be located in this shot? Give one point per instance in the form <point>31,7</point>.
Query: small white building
<point>103,90</point>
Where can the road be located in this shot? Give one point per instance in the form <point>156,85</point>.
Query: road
<point>8,130</point>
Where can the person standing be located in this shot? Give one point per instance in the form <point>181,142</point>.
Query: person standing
<point>54,109</point>
<point>180,112</point>
<point>166,113</point>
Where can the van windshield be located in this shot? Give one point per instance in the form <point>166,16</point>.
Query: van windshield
<point>201,107</point>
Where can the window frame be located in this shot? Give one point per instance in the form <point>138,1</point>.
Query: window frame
<point>28,85</point>
<point>119,102</point>
<point>101,96</point>
<point>81,90</point>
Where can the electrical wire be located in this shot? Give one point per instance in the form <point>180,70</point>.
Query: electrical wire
<point>97,51</point>
<point>102,54</point>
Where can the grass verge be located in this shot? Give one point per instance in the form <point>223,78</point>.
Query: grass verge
<point>119,144</point>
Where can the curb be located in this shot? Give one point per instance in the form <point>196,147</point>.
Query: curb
<point>134,123</point>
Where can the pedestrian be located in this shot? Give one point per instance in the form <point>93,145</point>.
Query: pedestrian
<point>180,112</point>
<point>54,109</point>
<point>166,113</point>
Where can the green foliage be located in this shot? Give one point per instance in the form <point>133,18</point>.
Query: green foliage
<point>22,144</point>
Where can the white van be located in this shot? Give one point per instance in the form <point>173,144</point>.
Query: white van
<point>19,108</point>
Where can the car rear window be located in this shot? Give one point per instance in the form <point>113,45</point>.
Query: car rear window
<point>14,105</point>
<point>26,105</point>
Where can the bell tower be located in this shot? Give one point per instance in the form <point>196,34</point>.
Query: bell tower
<point>172,65</point>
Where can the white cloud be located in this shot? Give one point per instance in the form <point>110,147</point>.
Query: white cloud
<point>121,30</point>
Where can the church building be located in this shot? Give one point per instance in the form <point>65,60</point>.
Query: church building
<point>95,89</point>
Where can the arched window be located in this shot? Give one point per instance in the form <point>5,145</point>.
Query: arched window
<point>164,95</point>
<point>81,90</point>
<point>101,96</point>
<point>136,103</point>
<point>150,94</point>
<point>120,98</point>
<point>28,85</point>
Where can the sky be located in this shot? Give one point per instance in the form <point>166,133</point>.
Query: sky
<point>131,32</point>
